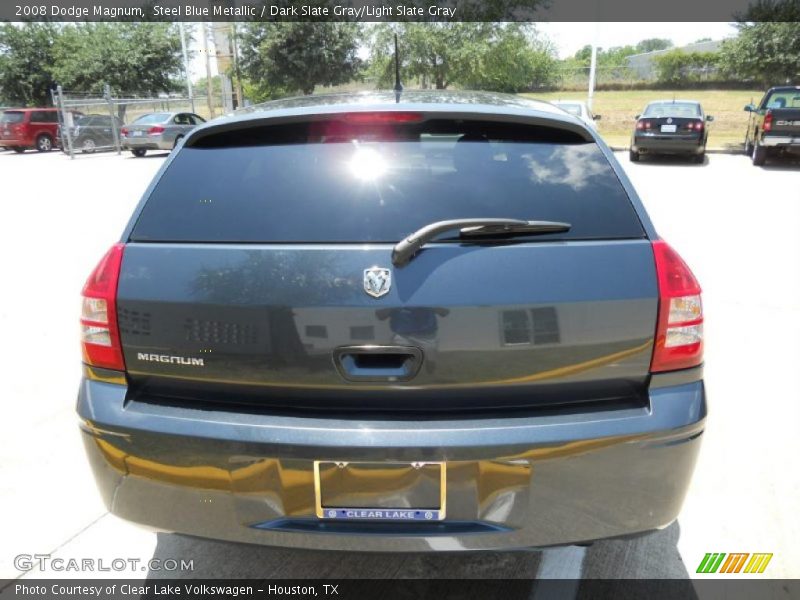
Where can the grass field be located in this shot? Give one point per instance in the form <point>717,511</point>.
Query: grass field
<point>619,108</point>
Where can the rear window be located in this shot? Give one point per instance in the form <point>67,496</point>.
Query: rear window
<point>332,182</point>
<point>672,109</point>
<point>153,118</point>
<point>783,99</point>
<point>44,116</point>
<point>12,116</point>
<point>573,109</point>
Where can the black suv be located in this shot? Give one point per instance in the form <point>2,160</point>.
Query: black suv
<point>351,323</point>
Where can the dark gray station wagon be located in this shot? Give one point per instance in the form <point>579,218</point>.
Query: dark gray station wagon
<point>343,322</point>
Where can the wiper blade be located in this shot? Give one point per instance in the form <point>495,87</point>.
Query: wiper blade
<point>527,227</point>
<point>405,249</point>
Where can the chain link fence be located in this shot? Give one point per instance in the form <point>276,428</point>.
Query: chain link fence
<point>631,77</point>
<point>91,123</point>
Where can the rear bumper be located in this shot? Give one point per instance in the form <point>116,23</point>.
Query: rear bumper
<point>146,143</point>
<point>15,143</point>
<point>667,145</point>
<point>781,140</point>
<point>511,482</point>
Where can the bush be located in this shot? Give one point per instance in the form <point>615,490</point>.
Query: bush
<point>678,67</point>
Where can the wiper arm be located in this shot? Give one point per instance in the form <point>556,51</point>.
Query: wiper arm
<point>405,249</point>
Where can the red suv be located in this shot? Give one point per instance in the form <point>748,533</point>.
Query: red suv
<point>23,128</point>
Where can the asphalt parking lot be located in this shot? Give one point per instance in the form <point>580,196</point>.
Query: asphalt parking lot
<point>736,225</point>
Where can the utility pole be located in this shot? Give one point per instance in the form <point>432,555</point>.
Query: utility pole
<point>209,88</point>
<point>186,64</point>
<point>592,75</point>
<point>239,89</point>
<point>593,65</point>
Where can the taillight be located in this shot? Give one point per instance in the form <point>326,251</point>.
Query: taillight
<point>372,118</point>
<point>155,130</point>
<point>696,125</point>
<point>123,132</point>
<point>100,339</point>
<point>679,331</point>
<point>767,121</point>
<point>644,124</point>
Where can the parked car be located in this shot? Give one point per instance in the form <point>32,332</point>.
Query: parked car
<point>774,125</point>
<point>342,322</point>
<point>24,128</point>
<point>158,131</point>
<point>580,110</point>
<point>95,132</point>
<point>671,127</point>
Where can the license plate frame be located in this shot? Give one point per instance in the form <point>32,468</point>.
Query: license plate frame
<point>327,509</point>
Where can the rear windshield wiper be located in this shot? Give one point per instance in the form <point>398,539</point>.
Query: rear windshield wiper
<point>405,249</point>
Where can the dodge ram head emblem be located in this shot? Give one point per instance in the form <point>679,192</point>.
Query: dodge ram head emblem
<point>377,281</point>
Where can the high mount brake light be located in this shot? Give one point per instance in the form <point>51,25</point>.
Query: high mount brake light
<point>100,340</point>
<point>380,118</point>
<point>679,330</point>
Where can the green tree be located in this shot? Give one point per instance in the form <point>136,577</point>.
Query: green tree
<point>133,58</point>
<point>201,85</point>
<point>773,11</point>
<point>513,60</point>
<point>26,62</point>
<point>479,55</point>
<point>677,67</point>
<point>289,57</point>
<point>615,56</point>
<point>653,44</point>
<point>765,52</point>
<point>584,55</point>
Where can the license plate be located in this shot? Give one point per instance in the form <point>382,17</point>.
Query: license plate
<point>669,128</point>
<point>373,491</point>
<point>138,133</point>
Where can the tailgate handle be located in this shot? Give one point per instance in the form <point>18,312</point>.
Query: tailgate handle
<point>377,363</point>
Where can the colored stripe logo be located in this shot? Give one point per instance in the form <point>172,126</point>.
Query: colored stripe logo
<point>737,562</point>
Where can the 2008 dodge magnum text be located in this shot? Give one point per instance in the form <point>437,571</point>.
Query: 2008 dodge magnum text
<point>345,322</point>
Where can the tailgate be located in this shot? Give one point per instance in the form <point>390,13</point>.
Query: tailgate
<point>785,121</point>
<point>498,326</point>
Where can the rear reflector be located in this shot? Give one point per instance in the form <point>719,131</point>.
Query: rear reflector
<point>679,331</point>
<point>100,339</point>
<point>377,118</point>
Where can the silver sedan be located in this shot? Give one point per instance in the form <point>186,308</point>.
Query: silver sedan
<point>579,109</point>
<point>158,131</point>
